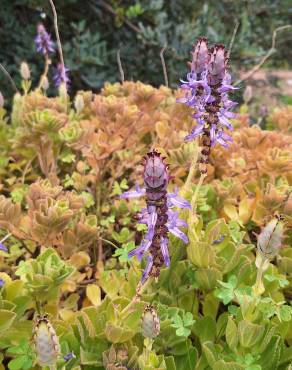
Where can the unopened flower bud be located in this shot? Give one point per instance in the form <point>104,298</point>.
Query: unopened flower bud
<point>46,342</point>
<point>150,323</point>
<point>45,83</point>
<point>1,100</point>
<point>200,56</point>
<point>155,171</point>
<point>269,240</point>
<point>24,71</point>
<point>79,103</point>
<point>217,64</point>
<point>247,95</point>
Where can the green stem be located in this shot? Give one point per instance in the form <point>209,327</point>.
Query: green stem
<point>191,174</point>
<point>140,289</point>
<point>148,348</point>
<point>258,287</point>
<point>5,237</point>
<point>109,242</point>
<point>189,359</point>
<point>195,196</point>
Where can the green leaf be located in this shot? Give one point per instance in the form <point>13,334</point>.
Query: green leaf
<point>6,319</point>
<point>67,156</point>
<point>89,200</point>
<point>231,334</point>
<point>18,363</point>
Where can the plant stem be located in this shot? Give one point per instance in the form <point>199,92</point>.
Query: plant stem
<point>140,289</point>
<point>194,198</point>
<point>148,347</point>
<point>46,69</point>
<point>191,173</point>
<point>189,359</point>
<point>5,237</point>
<point>258,287</point>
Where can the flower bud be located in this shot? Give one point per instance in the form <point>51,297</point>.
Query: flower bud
<point>155,171</point>
<point>24,71</point>
<point>1,100</point>
<point>79,103</point>
<point>45,83</point>
<point>200,56</point>
<point>217,64</point>
<point>247,95</point>
<point>269,240</point>
<point>150,323</point>
<point>46,342</point>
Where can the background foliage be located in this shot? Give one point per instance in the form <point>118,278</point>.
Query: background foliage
<point>92,33</point>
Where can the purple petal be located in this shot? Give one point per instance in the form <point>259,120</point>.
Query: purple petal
<point>224,121</point>
<point>176,231</point>
<point>147,270</point>
<point>3,248</point>
<point>164,250</point>
<point>224,88</point>
<point>177,201</point>
<point>69,356</point>
<point>137,193</point>
<point>194,133</point>
<point>141,250</point>
<point>213,134</point>
<point>2,283</point>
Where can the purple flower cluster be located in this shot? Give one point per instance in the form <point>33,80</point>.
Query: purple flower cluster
<point>43,41</point>
<point>206,91</point>
<point>61,75</point>
<point>159,216</point>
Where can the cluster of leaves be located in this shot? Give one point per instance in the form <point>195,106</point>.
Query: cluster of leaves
<point>92,34</point>
<point>62,166</point>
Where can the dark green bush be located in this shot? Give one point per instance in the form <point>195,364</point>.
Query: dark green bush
<point>92,33</point>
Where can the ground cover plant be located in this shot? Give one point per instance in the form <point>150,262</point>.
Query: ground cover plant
<point>141,227</point>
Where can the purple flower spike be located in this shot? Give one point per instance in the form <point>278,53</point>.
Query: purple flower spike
<point>43,41</point>
<point>206,91</point>
<point>3,248</point>
<point>61,76</point>
<point>158,216</point>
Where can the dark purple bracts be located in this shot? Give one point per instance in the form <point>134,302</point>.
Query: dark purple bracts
<point>206,90</point>
<point>159,216</point>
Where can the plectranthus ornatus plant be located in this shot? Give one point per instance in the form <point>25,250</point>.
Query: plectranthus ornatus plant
<point>159,215</point>
<point>206,91</point>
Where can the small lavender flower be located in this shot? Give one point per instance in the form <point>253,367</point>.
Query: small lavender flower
<point>3,248</point>
<point>43,41</point>
<point>159,215</point>
<point>2,283</point>
<point>206,91</point>
<point>61,75</point>
<point>69,356</point>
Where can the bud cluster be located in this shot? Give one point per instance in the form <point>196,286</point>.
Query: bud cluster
<point>159,216</point>
<point>206,91</point>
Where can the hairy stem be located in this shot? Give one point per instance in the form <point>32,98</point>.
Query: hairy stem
<point>136,299</point>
